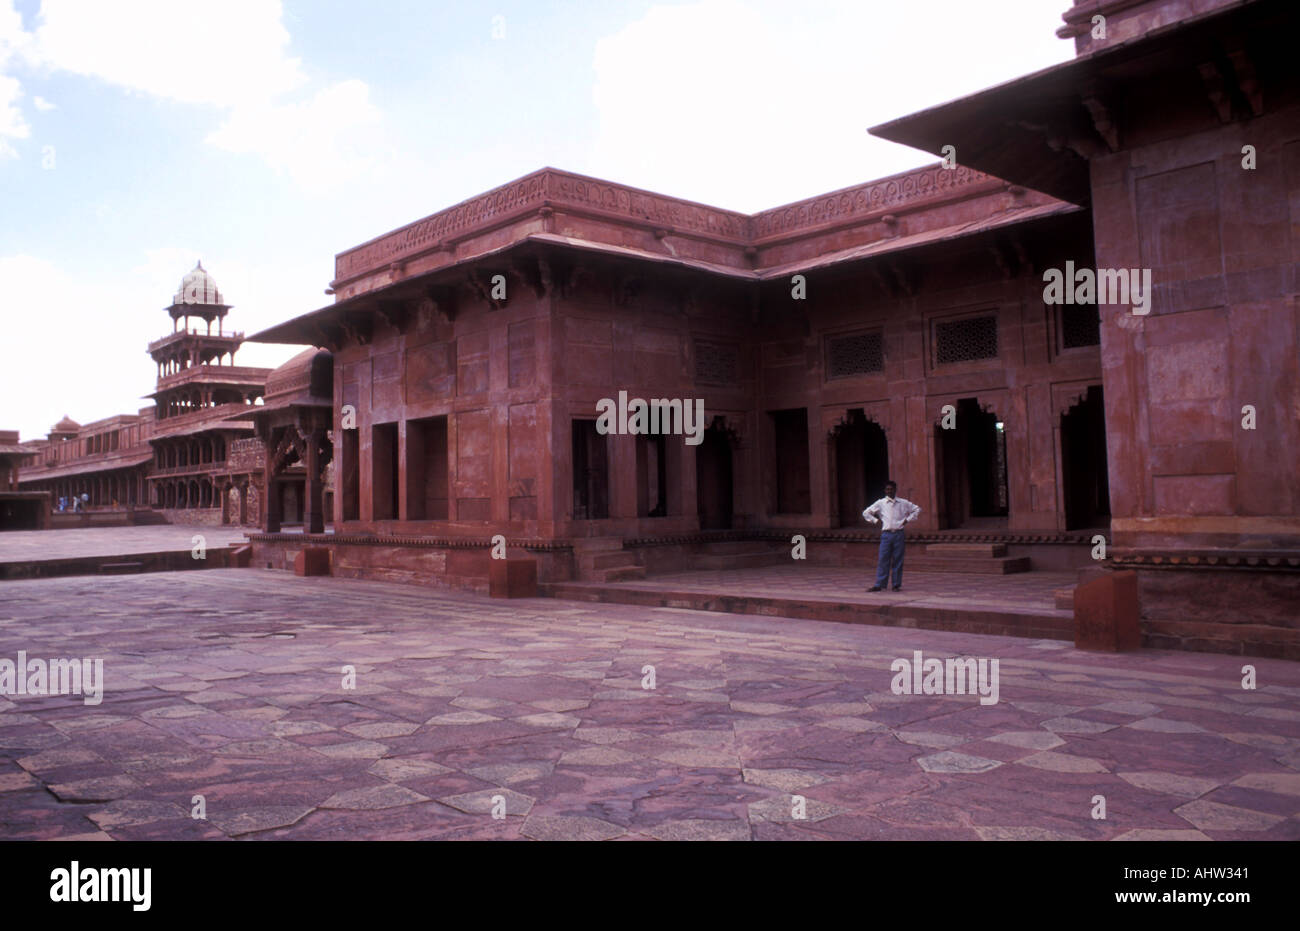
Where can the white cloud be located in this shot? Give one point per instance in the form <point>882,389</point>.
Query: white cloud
<point>220,52</point>
<point>13,40</point>
<point>721,99</point>
<point>42,104</point>
<point>317,143</point>
<point>232,55</point>
<point>12,124</point>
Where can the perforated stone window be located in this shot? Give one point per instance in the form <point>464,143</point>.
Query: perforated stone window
<point>966,340</point>
<point>1080,325</point>
<point>855,354</point>
<point>717,364</point>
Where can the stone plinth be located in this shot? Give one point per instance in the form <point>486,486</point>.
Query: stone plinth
<point>1106,613</point>
<point>512,578</point>
<point>312,560</point>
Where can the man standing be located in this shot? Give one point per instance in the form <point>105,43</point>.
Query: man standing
<point>892,513</point>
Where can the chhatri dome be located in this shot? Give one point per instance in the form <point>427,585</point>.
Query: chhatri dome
<point>197,287</point>
<point>200,297</point>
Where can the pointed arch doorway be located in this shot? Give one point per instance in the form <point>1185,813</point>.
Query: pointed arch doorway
<point>861,465</point>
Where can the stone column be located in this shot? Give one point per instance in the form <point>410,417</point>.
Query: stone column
<point>313,517</point>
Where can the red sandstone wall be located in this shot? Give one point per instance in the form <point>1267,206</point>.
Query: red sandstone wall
<point>1222,333</point>
<point>481,371</point>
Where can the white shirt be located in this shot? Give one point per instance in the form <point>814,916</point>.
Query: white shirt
<point>894,512</point>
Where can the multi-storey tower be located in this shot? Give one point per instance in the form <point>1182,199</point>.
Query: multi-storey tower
<point>199,387</point>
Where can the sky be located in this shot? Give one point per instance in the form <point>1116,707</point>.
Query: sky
<point>263,137</point>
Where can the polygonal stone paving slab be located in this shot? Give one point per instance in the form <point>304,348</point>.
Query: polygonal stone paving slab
<point>374,798</point>
<point>1061,763</point>
<point>606,735</point>
<point>1166,726</point>
<point>461,718</point>
<point>382,729</point>
<point>700,758</point>
<point>507,773</point>
<point>1213,816</point>
<point>124,812</point>
<point>9,782</point>
<point>564,827</point>
<point>853,725</point>
<point>932,740</point>
<point>950,761</point>
<point>700,829</point>
<point>1170,783</point>
<point>1280,783</point>
<point>598,756</point>
<point>398,769</point>
<point>784,780</point>
<point>1160,834</point>
<point>782,810</point>
<point>560,704</point>
<point>549,719</point>
<point>1025,833</point>
<point>353,750</point>
<point>252,820</point>
<point>1077,726</point>
<point>483,801</point>
<point>1028,740</point>
<point>99,789</point>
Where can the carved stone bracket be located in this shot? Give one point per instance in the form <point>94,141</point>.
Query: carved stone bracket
<point>397,314</point>
<point>1102,121</point>
<point>1247,82</point>
<point>626,288</point>
<point>1216,90</point>
<point>483,288</point>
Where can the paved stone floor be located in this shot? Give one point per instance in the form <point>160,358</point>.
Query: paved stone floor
<point>228,684</point>
<point>24,545</point>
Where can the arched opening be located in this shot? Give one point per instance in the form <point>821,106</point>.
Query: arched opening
<point>291,501</point>
<point>861,466</point>
<point>1086,485</point>
<point>972,469</point>
<point>713,477</point>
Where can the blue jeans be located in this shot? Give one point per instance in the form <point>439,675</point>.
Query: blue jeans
<point>891,555</point>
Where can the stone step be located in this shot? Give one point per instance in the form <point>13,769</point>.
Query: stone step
<point>966,549</point>
<point>1064,598</point>
<point>857,609</point>
<point>120,568</point>
<point>622,573</point>
<point>607,560</point>
<point>998,565</point>
<point>750,560</point>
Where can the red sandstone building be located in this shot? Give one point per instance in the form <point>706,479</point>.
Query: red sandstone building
<point>185,459</point>
<point>829,338</point>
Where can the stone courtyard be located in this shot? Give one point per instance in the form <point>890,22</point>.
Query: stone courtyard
<point>229,684</point>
